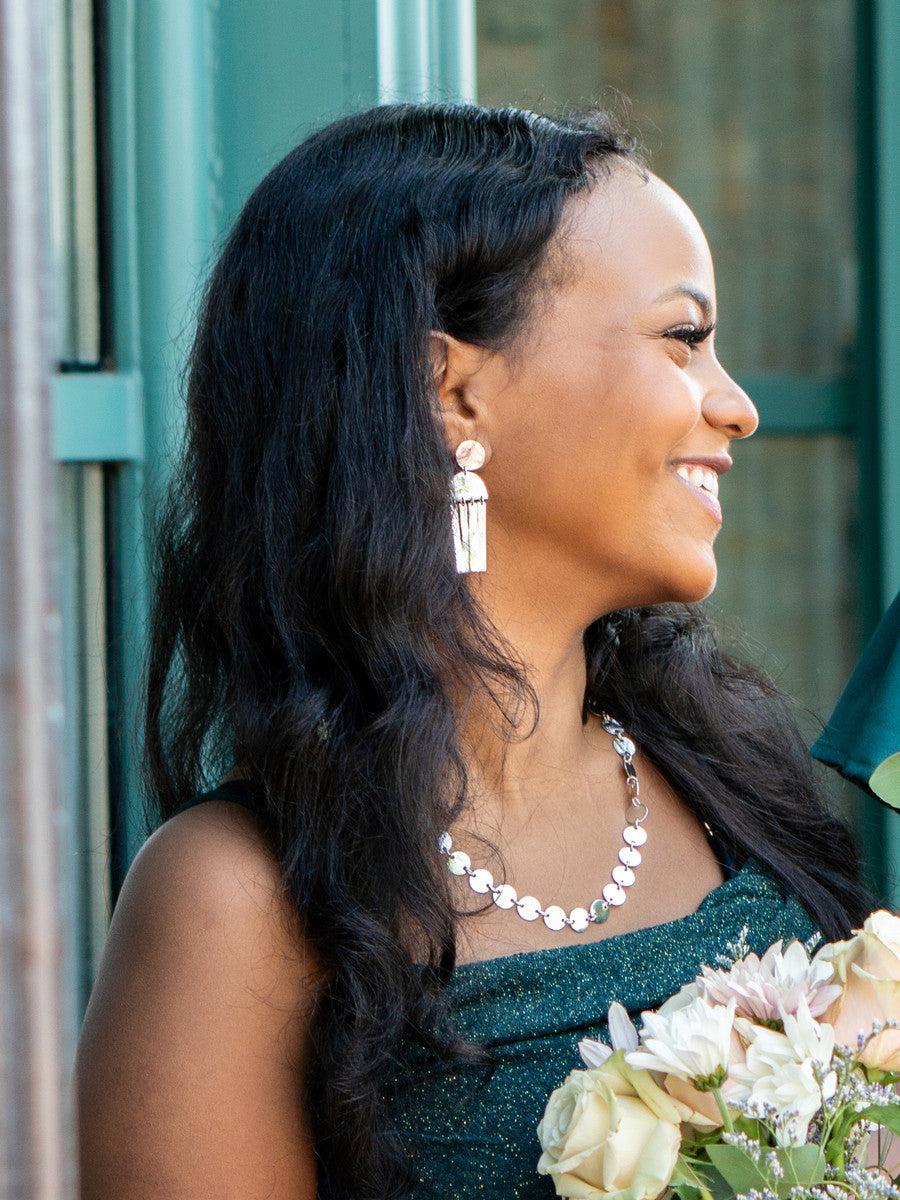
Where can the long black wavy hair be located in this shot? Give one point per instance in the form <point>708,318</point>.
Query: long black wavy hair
<point>309,623</point>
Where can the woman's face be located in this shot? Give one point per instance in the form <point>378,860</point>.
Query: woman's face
<point>609,421</point>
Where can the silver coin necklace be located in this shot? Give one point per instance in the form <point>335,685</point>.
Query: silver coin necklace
<point>613,895</point>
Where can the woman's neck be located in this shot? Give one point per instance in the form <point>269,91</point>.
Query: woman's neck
<point>554,747</point>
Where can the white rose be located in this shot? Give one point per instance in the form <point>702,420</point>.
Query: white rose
<point>604,1137</point>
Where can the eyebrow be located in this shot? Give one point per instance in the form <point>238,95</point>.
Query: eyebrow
<point>683,289</point>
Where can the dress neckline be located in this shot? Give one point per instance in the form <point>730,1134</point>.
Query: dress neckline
<point>749,873</point>
<point>750,878</point>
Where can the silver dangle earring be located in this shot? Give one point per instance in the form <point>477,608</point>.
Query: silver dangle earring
<point>469,509</point>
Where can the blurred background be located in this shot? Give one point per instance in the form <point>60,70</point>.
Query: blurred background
<point>777,120</point>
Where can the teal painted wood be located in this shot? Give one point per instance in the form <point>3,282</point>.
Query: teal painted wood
<point>123,170</point>
<point>404,50</point>
<point>127,613</point>
<point>887,182</point>
<point>885,49</point>
<point>98,416</point>
<point>877,367</point>
<point>867,372</point>
<point>297,64</point>
<point>801,403</point>
<point>455,51</point>
<point>162,221</point>
<point>280,70</point>
<point>426,50</point>
<point>871,819</point>
<point>69,570</point>
<point>878,360</point>
<point>175,201</point>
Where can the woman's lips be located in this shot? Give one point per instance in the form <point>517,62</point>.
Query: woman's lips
<point>703,481</point>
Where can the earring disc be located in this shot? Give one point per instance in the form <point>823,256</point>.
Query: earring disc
<point>470,455</point>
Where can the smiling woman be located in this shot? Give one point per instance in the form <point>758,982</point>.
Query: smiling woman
<point>298,997</point>
<point>614,395</point>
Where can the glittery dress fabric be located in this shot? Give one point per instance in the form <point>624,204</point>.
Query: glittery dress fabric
<point>469,1135</point>
<point>473,1135</point>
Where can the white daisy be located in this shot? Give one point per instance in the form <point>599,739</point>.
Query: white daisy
<point>622,1035</point>
<point>691,1042</point>
<point>790,1071</point>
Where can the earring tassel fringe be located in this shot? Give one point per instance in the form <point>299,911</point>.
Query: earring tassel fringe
<point>469,505</point>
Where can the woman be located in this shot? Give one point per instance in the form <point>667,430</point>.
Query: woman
<point>298,996</point>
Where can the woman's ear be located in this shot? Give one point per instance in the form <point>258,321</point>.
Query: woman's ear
<point>461,406</point>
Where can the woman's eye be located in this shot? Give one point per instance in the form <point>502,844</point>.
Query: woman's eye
<point>690,335</point>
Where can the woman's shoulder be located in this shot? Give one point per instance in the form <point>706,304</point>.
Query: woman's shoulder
<point>211,865</point>
<point>196,1038</point>
<point>208,882</point>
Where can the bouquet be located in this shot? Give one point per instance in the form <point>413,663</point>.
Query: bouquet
<point>767,1077</point>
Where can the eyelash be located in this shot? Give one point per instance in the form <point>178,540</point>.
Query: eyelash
<point>691,335</point>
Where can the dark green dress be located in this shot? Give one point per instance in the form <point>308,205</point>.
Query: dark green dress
<point>531,1010</point>
<point>470,1136</point>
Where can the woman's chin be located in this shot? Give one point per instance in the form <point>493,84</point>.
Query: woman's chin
<point>694,576</point>
<point>677,571</point>
<point>702,588</point>
<point>693,595</point>
<point>685,587</point>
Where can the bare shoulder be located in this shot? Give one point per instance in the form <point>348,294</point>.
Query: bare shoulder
<point>211,872</point>
<point>194,1050</point>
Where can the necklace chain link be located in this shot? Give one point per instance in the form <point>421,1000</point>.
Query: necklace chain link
<point>613,895</point>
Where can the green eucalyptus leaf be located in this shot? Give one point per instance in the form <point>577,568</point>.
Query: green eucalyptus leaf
<point>885,780</point>
<point>887,1115</point>
<point>715,1186</point>
<point>687,1191</point>
<point>804,1166</point>
<point>684,1173</point>
<point>739,1169</point>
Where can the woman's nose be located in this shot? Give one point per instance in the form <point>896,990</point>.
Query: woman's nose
<point>728,407</point>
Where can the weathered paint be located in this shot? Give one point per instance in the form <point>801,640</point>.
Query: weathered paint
<point>36,909</point>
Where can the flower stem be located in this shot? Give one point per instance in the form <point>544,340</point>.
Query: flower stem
<point>723,1109</point>
<point>839,1163</point>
